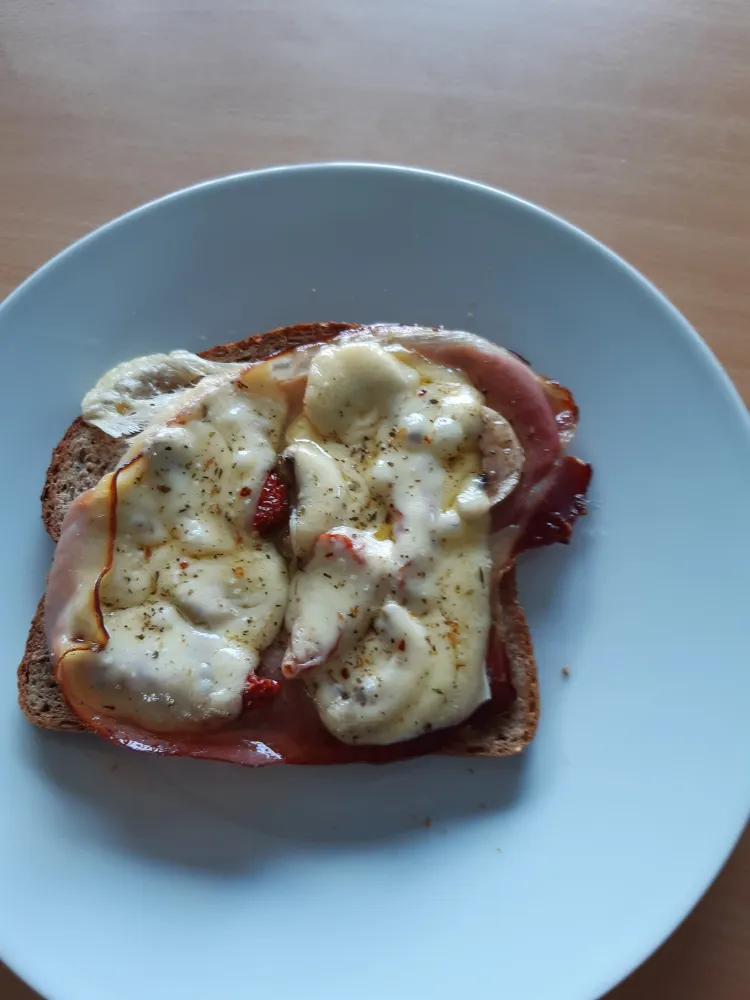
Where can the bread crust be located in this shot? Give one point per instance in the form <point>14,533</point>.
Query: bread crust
<point>86,453</point>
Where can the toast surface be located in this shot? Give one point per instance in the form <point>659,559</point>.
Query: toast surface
<point>86,453</point>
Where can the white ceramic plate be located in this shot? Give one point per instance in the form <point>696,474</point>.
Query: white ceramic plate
<point>551,875</point>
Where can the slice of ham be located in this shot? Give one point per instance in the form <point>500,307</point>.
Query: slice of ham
<point>550,494</point>
<point>535,508</point>
<point>285,729</point>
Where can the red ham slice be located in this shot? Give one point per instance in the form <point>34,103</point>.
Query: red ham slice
<point>283,726</point>
<point>551,492</point>
<point>286,729</point>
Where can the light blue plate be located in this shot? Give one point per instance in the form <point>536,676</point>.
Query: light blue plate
<point>548,876</point>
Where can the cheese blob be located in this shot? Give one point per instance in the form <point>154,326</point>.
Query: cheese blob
<point>162,597</point>
<point>389,612</point>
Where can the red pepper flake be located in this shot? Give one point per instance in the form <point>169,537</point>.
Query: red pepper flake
<point>355,548</point>
<point>259,691</point>
<point>401,645</point>
<point>273,505</point>
<point>147,553</point>
<point>184,564</point>
<point>345,673</point>
<point>246,491</point>
<point>238,572</point>
<point>422,392</point>
<point>453,630</point>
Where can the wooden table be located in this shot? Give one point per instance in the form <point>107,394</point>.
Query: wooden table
<point>628,117</point>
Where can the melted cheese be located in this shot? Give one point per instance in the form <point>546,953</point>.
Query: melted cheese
<point>192,595</point>
<point>149,390</point>
<point>389,615</point>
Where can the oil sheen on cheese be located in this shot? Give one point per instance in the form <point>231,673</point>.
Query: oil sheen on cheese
<point>193,595</point>
<point>389,612</point>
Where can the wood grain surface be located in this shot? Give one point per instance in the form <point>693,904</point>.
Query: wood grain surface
<point>631,118</point>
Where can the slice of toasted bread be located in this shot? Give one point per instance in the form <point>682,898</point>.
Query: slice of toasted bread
<point>86,453</point>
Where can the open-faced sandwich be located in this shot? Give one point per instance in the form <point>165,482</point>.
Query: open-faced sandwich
<point>300,548</point>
